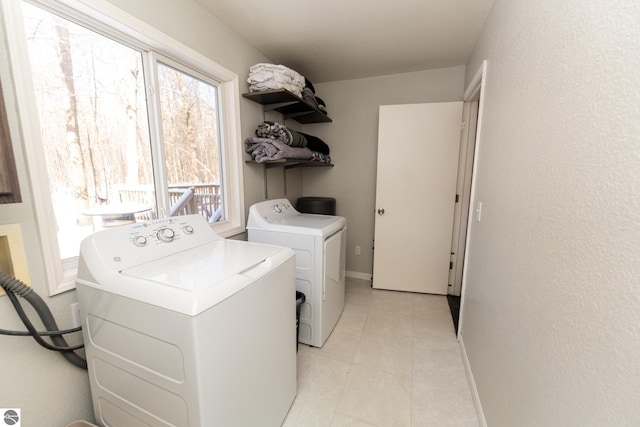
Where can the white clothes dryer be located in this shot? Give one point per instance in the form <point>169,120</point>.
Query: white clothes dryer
<point>185,328</point>
<point>319,242</point>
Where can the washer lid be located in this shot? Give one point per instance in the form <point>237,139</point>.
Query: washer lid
<point>193,280</point>
<point>203,266</point>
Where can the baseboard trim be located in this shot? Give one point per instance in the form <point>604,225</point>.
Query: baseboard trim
<point>472,385</point>
<point>358,275</point>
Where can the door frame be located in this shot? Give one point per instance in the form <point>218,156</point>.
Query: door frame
<point>463,193</point>
<point>474,93</point>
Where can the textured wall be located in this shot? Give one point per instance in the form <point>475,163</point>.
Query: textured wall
<point>552,299</point>
<point>353,137</point>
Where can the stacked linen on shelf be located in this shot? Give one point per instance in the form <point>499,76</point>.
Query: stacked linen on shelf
<point>270,76</point>
<point>281,133</point>
<point>321,105</point>
<point>265,149</point>
<point>309,95</point>
<point>273,130</point>
<point>320,157</point>
<point>316,144</point>
<point>274,141</point>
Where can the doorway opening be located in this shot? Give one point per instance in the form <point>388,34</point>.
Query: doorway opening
<point>469,141</point>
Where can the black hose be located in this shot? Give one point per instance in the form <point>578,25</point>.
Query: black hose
<point>41,333</point>
<point>32,330</point>
<point>12,287</point>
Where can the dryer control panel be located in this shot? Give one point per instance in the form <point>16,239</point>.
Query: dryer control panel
<point>274,210</point>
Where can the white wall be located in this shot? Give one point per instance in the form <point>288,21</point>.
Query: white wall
<point>552,304</point>
<point>49,390</point>
<point>353,138</point>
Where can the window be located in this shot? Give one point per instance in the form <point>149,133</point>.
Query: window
<point>128,127</point>
<point>9,185</point>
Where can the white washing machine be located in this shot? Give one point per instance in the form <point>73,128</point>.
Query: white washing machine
<point>184,328</point>
<point>319,242</point>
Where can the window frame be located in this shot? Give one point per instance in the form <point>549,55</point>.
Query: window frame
<point>108,20</point>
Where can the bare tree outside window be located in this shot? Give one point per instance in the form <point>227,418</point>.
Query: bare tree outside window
<point>190,135</point>
<point>94,120</point>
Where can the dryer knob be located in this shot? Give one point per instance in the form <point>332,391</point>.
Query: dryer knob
<point>187,229</point>
<point>277,208</point>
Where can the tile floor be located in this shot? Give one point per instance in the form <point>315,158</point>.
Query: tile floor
<point>392,360</point>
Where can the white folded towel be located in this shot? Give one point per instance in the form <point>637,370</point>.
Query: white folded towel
<point>265,76</point>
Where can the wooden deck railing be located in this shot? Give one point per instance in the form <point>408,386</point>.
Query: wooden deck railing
<point>205,201</point>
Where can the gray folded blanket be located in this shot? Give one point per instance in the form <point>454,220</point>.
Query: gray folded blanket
<point>309,96</point>
<point>265,149</point>
<point>281,133</point>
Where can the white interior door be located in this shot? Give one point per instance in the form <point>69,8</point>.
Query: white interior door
<point>415,195</point>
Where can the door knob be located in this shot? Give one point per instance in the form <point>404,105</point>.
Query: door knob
<point>380,211</point>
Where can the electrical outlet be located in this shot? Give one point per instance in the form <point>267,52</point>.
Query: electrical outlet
<point>75,314</point>
<point>358,250</point>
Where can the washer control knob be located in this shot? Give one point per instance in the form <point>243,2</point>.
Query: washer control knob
<point>277,208</point>
<point>140,241</point>
<point>166,234</point>
<point>187,229</point>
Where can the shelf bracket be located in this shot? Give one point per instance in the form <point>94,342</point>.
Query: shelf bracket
<point>271,107</point>
<point>284,177</point>
<point>264,180</point>
<point>265,168</point>
<point>284,164</point>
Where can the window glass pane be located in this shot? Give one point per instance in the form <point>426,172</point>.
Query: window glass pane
<point>90,95</point>
<point>191,143</point>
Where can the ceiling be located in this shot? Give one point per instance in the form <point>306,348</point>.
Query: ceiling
<point>349,39</point>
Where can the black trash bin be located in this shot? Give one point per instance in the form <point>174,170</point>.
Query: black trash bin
<point>300,299</point>
<point>317,205</point>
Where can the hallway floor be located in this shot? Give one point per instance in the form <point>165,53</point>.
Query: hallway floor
<point>392,360</point>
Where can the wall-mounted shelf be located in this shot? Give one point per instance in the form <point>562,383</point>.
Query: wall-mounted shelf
<point>289,105</point>
<point>292,107</point>
<point>285,164</point>
<point>290,163</point>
